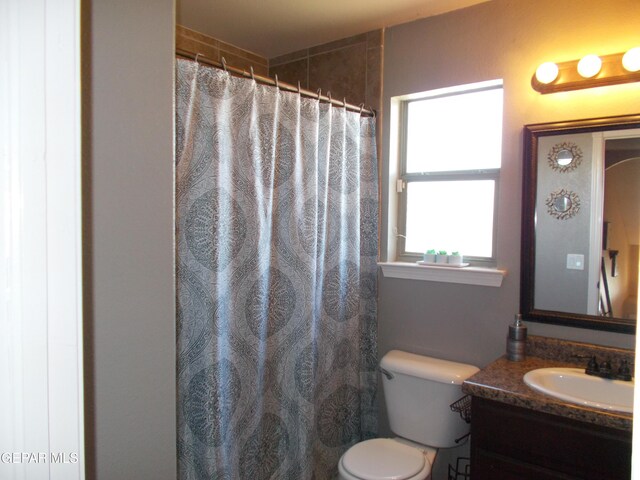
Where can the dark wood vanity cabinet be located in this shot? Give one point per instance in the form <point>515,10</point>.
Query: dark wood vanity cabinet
<point>514,443</point>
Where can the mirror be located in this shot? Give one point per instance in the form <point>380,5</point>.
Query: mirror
<point>565,157</point>
<point>562,203</point>
<point>581,223</point>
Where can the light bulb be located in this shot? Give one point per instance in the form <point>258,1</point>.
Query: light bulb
<point>631,60</point>
<point>547,72</point>
<point>589,66</point>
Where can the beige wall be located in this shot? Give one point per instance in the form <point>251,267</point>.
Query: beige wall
<point>499,39</point>
<point>128,50</point>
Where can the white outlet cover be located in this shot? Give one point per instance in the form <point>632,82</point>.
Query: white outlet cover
<point>575,261</point>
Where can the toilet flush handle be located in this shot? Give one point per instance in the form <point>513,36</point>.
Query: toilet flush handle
<point>386,373</point>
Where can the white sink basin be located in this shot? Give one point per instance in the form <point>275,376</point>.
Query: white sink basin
<point>575,386</point>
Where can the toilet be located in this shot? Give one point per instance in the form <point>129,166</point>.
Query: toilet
<point>418,392</point>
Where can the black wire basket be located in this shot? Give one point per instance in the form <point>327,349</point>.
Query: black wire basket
<point>463,407</point>
<point>462,470</point>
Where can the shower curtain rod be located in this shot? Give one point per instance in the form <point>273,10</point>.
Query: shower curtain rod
<point>270,81</point>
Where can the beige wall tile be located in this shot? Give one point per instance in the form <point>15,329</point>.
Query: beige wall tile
<point>289,57</point>
<point>244,63</point>
<point>373,94</point>
<point>292,72</point>
<point>196,42</point>
<point>239,52</point>
<point>192,34</point>
<point>350,69</point>
<point>193,46</point>
<point>375,38</point>
<point>342,72</point>
<point>344,42</point>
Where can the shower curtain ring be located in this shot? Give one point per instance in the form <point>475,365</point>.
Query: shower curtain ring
<point>319,93</point>
<point>344,102</point>
<point>197,55</point>
<point>329,96</point>
<point>299,93</point>
<point>277,84</point>
<point>253,77</point>
<point>224,64</point>
<point>361,108</point>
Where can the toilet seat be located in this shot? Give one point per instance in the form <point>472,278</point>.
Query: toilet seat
<point>385,459</point>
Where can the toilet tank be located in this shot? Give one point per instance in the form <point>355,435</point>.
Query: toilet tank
<point>419,394</point>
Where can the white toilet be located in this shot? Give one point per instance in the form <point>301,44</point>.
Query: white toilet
<point>418,391</point>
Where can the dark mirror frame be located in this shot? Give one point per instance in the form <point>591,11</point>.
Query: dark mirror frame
<point>528,245</point>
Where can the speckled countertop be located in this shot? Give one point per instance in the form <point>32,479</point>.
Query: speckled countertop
<point>502,380</point>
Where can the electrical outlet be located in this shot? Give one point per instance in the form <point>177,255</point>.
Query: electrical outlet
<point>575,261</point>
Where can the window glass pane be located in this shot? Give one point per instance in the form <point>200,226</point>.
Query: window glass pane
<point>456,132</point>
<point>450,215</point>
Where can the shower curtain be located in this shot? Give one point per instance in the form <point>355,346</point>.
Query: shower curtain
<point>276,219</point>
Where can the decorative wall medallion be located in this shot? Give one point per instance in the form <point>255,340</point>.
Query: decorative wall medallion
<point>565,157</point>
<point>563,204</point>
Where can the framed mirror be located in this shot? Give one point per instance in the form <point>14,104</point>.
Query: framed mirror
<point>581,223</point>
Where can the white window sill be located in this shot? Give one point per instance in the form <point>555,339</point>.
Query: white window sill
<point>489,277</point>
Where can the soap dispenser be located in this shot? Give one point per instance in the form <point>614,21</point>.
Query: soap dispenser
<point>517,340</point>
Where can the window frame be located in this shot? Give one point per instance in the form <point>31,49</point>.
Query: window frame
<point>405,178</point>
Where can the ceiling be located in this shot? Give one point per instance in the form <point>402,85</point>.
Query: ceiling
<point>275,27</point>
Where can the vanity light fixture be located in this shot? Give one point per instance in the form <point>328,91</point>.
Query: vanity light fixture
<point>547,72</point>
<point>631,60</point>
<point>589,66</point>
<point>590,71</point>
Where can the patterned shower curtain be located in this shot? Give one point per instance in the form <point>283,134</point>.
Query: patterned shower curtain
<point>276,218</point>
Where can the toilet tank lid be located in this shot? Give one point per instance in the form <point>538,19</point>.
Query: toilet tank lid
<point>429,368</point>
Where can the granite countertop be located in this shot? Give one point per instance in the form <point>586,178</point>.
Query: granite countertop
<point>502,381</point>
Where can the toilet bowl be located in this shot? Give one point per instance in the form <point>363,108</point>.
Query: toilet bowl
<point>387,459</point>
<point>418,392</point>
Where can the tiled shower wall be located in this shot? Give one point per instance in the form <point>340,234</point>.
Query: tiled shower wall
<point>349,69</point>
<point>196,42</point>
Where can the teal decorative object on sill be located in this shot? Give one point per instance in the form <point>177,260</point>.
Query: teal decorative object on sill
<point>442,257</point>
<point>455,258</point>
<point>429,256</point>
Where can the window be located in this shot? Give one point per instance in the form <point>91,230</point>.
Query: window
<point>450,144</point>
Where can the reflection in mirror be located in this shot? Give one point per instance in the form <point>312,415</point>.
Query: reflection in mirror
<point>621,214</point>
<point>565,157</point>
<point>562,203</point>
<point>578,177</point>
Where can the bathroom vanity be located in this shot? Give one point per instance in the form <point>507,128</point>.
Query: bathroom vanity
<point>520,434</point>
